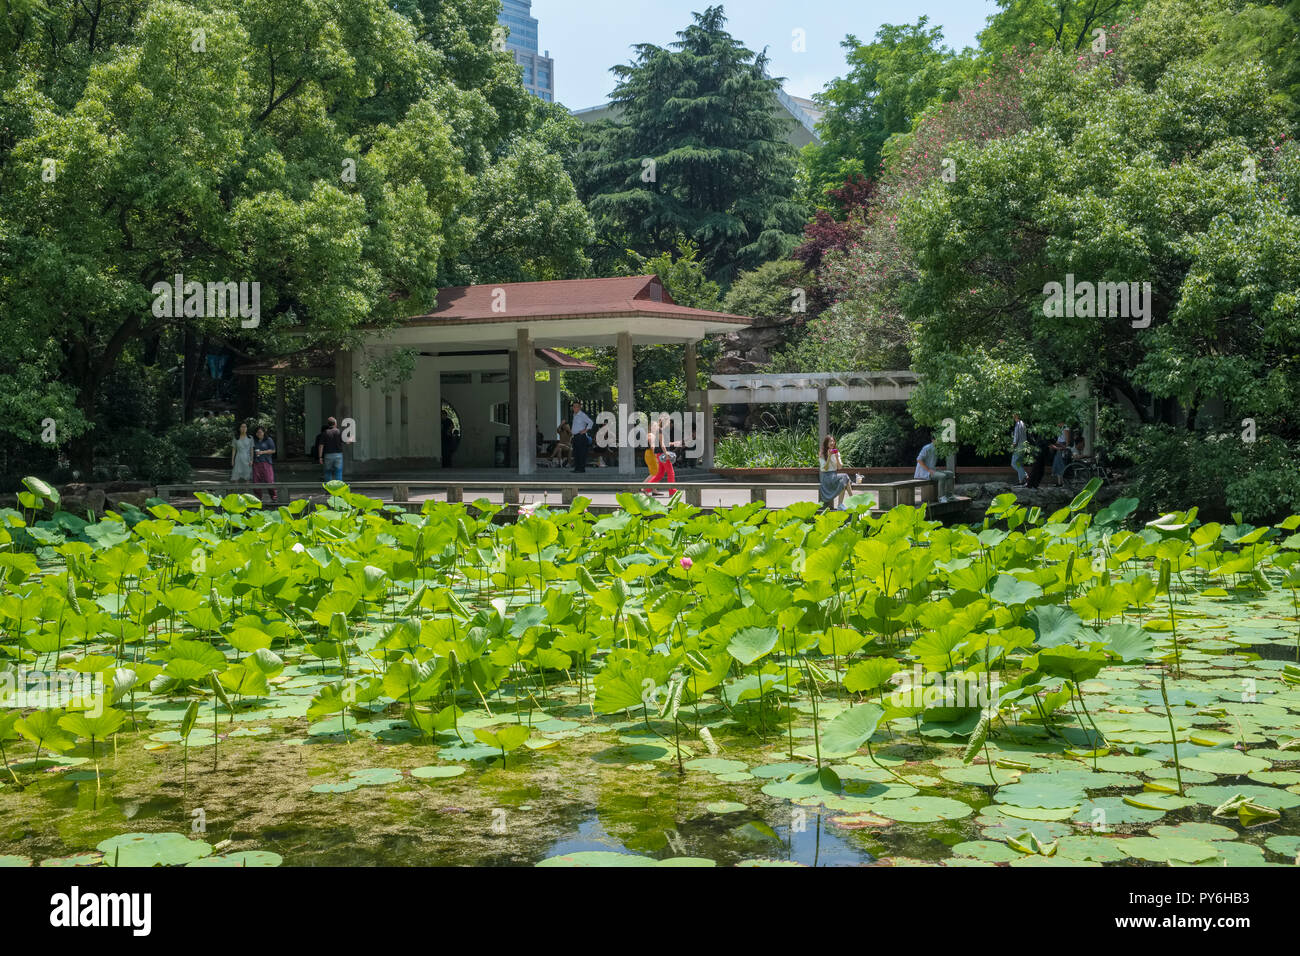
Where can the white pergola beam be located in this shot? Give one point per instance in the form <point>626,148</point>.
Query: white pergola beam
<point>834,393</point>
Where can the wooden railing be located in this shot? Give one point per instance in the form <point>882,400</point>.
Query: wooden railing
<point>399,490</point>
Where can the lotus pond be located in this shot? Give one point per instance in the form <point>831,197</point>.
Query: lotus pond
<point>343,682</point>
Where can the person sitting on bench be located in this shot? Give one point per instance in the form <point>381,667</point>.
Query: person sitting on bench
<point>562,450</point>
<point>927,466</point>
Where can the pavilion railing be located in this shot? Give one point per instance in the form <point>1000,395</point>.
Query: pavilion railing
<point>399,491</point>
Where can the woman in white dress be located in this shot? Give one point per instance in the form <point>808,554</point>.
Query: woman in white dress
<point>833,486</point>
<point>241,455</point>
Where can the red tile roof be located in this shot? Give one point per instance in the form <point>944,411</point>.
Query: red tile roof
<point>562,299</point>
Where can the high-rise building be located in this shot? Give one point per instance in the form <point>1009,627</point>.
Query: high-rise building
<point>539,69</point>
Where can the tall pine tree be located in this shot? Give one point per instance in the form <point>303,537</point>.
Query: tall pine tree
<point>698,152</point>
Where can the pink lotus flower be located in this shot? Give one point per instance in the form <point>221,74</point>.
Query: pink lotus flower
<point>686,563</point>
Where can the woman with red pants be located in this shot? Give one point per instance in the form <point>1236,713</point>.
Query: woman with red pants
<point>657,454</point>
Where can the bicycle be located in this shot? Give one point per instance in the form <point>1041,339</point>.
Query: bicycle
<point>1080,471</point>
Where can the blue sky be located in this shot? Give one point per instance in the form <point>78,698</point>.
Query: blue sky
<point>587,37</point>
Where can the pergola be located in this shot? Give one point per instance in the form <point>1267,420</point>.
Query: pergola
<point>820,387</point>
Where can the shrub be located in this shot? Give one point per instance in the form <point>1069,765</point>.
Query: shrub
<point>767,449</point>
<point>1174,469</point>
<point>145,456</point>
<point>205,436</point>
<point>879,441</point>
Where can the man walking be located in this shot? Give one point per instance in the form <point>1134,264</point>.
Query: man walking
<point>1019,438</point>
<point>329,451</point>
<point>582,425</point>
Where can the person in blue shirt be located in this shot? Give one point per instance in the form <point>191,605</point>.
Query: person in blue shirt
<point>927,466</point>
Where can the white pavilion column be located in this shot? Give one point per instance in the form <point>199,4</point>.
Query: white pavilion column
<point>343,404</point>
<point>695,399</point>
<point>823,415</point>
<point>626,401</point>
<point>526,388</point>
<point>707,409</point>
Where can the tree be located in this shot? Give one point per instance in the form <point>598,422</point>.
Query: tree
<point>697,152</point>
<point>1185,186</point>
<point>889,83</point>
<point>1063,25</point>
<point>342,161</point>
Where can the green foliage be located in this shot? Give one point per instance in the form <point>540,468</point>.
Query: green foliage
<point>769,292</point>
<point>697,152</point>
<point>205,436</point>
<point>767,449</point>
<point>879,441</point>
<point>1222,473</point>
<point>889,83</point>
<point>1104,161</point>
<point>1063,25</point>
<point>350,160</point>
<point>146,456</point>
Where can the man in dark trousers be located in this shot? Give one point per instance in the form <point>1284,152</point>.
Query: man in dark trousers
<point>450,440</point>
<point>1039,466</point>
<point>329,450</point>
<point>582,425</point>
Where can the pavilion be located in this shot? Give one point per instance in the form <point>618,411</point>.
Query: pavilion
<point>481,356</point>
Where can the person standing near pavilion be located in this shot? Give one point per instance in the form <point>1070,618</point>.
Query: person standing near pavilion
<point>659,455</point>
<point>1019,439</point>
<point>264,460</point>
<point>241,455</point>
<point>329,451</point>
<point>582,426</point>
<point>1061,449</point>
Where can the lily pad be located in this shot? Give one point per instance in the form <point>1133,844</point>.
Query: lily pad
<point>152,849</point>
<point>923,809</point>
<point>724,806</point>
<point>436,772</point>
<point>1101,813</point>
<point>1086,847</point>
<point>1227,761</point>
<point>375,776</point>
<point>715,765</point>
<point>345,787</point>
<point>242,859</point>
<point>987,850</point>
<point>1168,849</point>
<point>80,859</point>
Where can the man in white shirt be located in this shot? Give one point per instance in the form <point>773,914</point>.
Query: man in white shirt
<point>927,466</point>
<point>1019,438</point>
<point>582,426</point>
